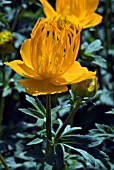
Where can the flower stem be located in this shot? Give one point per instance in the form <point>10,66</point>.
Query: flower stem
<point>2,101</point>
<point>16,18</point>
<point>3,162</point>
<point>67,121</point>
<point>48,117</point>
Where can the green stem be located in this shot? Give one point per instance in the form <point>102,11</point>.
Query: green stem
<point>48,117</point>
<point>2,101</point>
<point>1,114</point>
<point>16,18</point>
<point>67,121</point>
<point>3,162</point>
<point>108,33</point>
<point>48,127</point>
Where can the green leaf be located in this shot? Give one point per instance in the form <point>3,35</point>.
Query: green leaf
<point>81,140</point>
<point>69,130</point>
<point>48,167</point>
<point>35,141</point>
<point>29,164</point>
<point>32,101</point>
<point>19,38</point>
<point>19,88</point>
<point>12,164</point>
<point>110,112</point>
<point>44,166</point>
<point>4,21</point>
<point>40,106</point>
<point>60,124</point>
<point>88,157</point>
<point>5,2</point>
<point>103,131</point>
<point>39,114</point>
<point>100,61</point>
<point>94,46</point>
<point>104,128</point>
<point>39,122</point>
<point>24,136</point>
<point>7,91</point>
<point>55,110</point>
<point>26,111</point>
<point>105,97</point>
<point>23,156</point>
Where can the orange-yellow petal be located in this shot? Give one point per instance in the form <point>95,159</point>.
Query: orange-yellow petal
<point>48,10</point>
<point>91,20</point>
<point>63,6</point>
<point>74,75</point>
<point>90,5</point>
<point>22,69</point>
<point>42,87</point>
<point>25,52</point>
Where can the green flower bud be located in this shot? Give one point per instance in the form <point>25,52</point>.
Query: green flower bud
<point>6,42</point>
<point>85,88</point>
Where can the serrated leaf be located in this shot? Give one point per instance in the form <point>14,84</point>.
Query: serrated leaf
<point>94,162</point>
<point>81,140</point>
<point>86,155</point>
<point>35,141</point>
<point>103,131</point>
<point>104,128</point>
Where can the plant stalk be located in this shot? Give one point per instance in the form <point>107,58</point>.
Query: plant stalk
<point>3,162</point>
<point>67,121</point>
<point>48,117</point>
<point>2,101</point>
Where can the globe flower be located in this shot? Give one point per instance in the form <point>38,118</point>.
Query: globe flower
<point>88,88</point>
<point>6,42</point>
<point>48,59</point>
<point>78,12</point>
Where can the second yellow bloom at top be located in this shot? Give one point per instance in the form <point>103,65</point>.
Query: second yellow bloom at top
<point>78,12</point>
<point>48,59</point>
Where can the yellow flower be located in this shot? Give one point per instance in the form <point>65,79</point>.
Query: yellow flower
<point>88,88</point>
<point>78,12</point>
<point>49,59</point>
<point>6,42</point>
